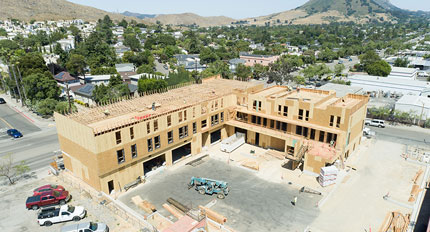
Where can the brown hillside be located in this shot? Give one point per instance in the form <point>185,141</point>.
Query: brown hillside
<point>190,18</point>
<point>27,10</point>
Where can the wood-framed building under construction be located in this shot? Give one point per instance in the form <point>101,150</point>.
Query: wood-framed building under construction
<point>109,146</point>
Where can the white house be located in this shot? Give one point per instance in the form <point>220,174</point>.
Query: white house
<point>418,105</point>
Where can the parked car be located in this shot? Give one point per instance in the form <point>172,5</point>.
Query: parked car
<point>14,133</point>
<point>49,216</point>
<point>375,122</point>
<point>86,227</point>
<point>2,101</point>
<point>48,188</point>
<point>48,198</point>
<point>340,62</point>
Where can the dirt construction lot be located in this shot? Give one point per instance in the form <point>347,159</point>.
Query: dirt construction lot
<point>253,204</point>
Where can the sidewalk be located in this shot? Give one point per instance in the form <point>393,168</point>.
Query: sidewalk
<point>26,113</point>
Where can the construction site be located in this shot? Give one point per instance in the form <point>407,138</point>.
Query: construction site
<point>227,155</point>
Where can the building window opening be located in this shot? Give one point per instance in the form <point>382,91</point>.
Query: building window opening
<point>194,127</point>
<point>300,114</point>
<point>131,133</point>
<point>299,130</point>
<point>321,139</point>
<point>155,125</point>
<point>285,111</point>
<point>157,142</point>
<point>133,151</point>
<point>118,137</point>
<point>149,141</point>
<point>169,120</point>
<point>170,137</point>
<point>120,156</point>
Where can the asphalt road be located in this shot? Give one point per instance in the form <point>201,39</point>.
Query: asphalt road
<point>9,118</point>
<point>36,147</point>
<point>403,135</point>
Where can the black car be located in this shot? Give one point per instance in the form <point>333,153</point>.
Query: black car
<point>2,101</point>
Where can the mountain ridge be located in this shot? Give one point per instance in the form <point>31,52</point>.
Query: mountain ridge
<point>27,10</point>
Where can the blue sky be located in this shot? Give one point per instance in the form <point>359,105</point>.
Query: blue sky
<point>232,8</point>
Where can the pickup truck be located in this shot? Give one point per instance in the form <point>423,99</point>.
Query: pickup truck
<point>48,216</point>
<point>86,227</point>
<point>47,198</point>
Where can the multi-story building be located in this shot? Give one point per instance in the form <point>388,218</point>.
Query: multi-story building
<point>109,146</point>
<point>251,60</point>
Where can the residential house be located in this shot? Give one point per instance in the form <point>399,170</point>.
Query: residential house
<point>190,62</point>
<point>233,63</point>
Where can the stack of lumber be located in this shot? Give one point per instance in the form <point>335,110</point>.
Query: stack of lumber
<point>328,176</point>
<point>211,214</point>
<point>395,222</point>
<point>252,164</point>
<point>143,204</point>
<point>173,210</point>
<point>414,192</point>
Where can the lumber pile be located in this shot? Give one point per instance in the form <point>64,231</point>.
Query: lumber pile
<point>173,211</point>
<point>143,204</point>
<point>414,192</point>
<point>252,164</point>
<point>211,214</point>
<point>395,222</point>
<point>417,176</point>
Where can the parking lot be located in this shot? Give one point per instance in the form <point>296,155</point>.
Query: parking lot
<point>253,204</point>
<point>14,217</point>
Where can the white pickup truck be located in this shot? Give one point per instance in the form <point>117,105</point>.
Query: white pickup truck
<point>48,216</point>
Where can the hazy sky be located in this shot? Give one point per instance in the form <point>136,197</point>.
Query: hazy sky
<point>232,8</point>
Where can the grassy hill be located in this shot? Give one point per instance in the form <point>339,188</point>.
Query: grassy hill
<point>27,10</point>
<point>190,18</point>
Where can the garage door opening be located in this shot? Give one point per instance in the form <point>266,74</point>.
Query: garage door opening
<point>215,136</point>
<point>152,165</point>
<point>181,152</point>
<point>243,131</point>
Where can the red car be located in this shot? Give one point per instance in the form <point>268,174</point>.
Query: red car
<point>48,198</point>
<point>48,188</point>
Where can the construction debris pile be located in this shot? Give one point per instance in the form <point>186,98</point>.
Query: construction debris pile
<point>328,176</point>
<point>395,222</point>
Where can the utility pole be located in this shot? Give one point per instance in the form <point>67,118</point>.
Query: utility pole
<point>16,82</point>
<point>68,98</point>
<point>20,80</point>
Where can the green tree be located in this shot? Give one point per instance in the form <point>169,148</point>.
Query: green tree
<point>259,71</point>
<point>401,62</point>
<point>338,69</point>
<point>145,85</point>
<point>300,80</point>
<point>115,80</point>
<point>131,41</point>
<point>41,86</point>
<point>379,68</point>
<point>46,107</point>
<point>63,107</point>
<point>207,56</point>
<point>146,68</point>
<point>123,23</point>
<point>11,171</point>
<point>76,65</point>
<point>243,72</point>
<point>327,55</point>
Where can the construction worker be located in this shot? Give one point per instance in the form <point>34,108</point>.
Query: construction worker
<point>294,201</point>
